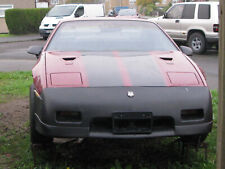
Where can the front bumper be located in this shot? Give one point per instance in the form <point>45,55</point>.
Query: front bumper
<point>97,106</point>
<point>45,32</point>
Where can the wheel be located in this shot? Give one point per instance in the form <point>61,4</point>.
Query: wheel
<point>194,139</point>
<point>35,137</point>
<point>45,37</point>
<point>197,42</point>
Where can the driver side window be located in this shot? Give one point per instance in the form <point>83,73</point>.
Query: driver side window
<point>175,12</point>
<point>79,12</point>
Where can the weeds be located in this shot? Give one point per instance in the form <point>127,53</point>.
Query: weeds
<point>14,84</point>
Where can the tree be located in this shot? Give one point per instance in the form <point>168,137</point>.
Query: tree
<point>147,6</point>
<point>146,2</point>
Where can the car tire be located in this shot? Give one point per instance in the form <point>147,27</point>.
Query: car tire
<point>35,137</point>
<point>197,43</point>
<point>194,139</point>
<point>45,37</point>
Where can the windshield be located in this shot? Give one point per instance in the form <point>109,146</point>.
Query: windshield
<point>110,36</point>
<point>61,11</point>
<point>127,12</point>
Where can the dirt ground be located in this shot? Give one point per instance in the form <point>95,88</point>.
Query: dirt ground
<point>14,115</point>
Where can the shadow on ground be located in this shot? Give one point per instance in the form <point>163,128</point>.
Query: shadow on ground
<point>118,154</point>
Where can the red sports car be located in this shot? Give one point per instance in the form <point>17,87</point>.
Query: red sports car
<point>116,78</point>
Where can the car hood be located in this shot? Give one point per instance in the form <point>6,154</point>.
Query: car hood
<point>108,69</point>
<point>53,20</point>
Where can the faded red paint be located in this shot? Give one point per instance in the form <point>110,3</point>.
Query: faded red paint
<point>176,62</point>
<point>123,70</point>
<point>57,63</point>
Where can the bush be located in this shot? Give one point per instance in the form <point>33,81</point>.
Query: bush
<point>23,21</point>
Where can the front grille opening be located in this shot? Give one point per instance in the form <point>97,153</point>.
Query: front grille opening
<point>68,116</point>
<point>192,114</point>
<point>166,58</point>
<point>101,124</point>
<point>163,123</point>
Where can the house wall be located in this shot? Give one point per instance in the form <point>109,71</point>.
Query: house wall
<point>3,26</point>
<point>19,3</point>
<point>16,4</point>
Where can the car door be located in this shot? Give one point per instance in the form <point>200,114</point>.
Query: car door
<point>170,22</point>
<point>187,20</point>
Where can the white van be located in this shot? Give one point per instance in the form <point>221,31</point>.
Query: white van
<point>59,12</point>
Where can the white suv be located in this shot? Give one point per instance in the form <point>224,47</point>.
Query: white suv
<point>196,23</point>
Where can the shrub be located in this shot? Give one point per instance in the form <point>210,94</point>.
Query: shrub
<point>23,21</point>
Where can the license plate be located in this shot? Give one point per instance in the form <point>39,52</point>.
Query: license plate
<point>48,31</point>
<point>132,123</point>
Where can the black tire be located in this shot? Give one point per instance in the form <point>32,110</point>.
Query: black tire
<point>197,43</point>
<point>45,37</point>
<point>35,137</point>
<point>194,139</point>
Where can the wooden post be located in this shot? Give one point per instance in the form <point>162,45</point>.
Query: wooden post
<point>221,115</point>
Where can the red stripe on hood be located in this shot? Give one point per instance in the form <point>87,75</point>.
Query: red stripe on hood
<point>123,70</point>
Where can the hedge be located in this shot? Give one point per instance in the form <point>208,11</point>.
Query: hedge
<point>23,21</point>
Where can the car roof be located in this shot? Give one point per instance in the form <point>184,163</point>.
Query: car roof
<point>129,9</point>
<point>75,4</point>
<point>104,19</point>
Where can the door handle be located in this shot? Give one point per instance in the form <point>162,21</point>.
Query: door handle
<point>177,21</point>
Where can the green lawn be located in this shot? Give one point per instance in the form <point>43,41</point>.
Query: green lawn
<point>14,84</point>
<point>5,35</point>
<point>164,153</point>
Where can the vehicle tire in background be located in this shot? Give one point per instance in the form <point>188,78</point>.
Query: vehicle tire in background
<point>45,37</point>
<point>197,43</point>
<point>35,137</point>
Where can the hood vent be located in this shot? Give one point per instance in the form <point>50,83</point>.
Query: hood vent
<point>166,58</point>
<point>69,59</point>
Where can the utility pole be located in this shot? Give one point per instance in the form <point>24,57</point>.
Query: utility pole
<point>221,106</point>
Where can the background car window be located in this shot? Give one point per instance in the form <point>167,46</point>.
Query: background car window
<point>175,12</point>
<point>204,11</point>
<point>110,36</point>
<point>127,12</point>
<point>189,11</point>
<point>79,12</point>
<point>61,11</point>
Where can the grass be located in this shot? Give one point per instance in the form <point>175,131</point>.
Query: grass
<point>14,84</point>
<point>164,153</point>
<point>5,35</point>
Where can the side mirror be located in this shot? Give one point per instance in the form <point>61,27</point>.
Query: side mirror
<point>76,15</point>
<point>165,15</point>
<point>186,50</point>
<point>35,50</point>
